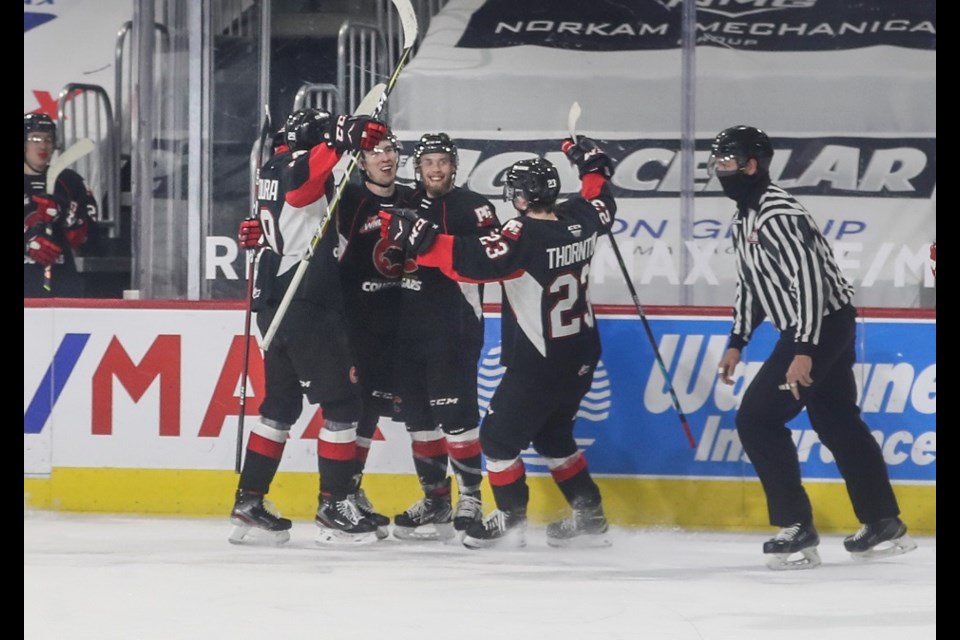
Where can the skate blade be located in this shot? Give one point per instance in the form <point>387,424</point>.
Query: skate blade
<point>586,541</point>
<point>898,546</point>
<point>336,538</point>
<point>425,533</point>
<point>808,559</point>
<point>513,540</point>
<point>245,534</point>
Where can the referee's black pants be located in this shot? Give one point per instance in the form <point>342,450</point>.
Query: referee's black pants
<point>831,404</point>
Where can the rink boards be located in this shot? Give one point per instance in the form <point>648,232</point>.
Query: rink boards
<point>132,407</point>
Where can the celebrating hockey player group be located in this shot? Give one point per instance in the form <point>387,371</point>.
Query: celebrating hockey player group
<point>388,284</point>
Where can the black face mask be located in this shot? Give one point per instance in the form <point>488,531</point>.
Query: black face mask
<point>739,186</point>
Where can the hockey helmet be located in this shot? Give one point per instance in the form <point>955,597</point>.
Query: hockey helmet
<point>740,143</point>
<point>536,179</point>
<point>304,129</point>
<point>435,143</point>
<point>41,122</point>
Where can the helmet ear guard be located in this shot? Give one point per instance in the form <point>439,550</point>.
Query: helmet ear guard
<point>740,143</point>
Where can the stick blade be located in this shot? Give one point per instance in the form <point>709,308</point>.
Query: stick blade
<point>408,20</point>
<point>370,105</point>
<point>572,116</point>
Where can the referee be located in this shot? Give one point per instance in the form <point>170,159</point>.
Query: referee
<point>786,272</point>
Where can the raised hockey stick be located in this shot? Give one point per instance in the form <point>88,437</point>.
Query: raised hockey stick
<point>572,117</point>
<point>248,312</point>
<point>371,105</point>
<point>77,150</point>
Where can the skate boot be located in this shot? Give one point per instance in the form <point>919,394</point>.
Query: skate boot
<point>797,538</point>
<point>469,510</point>
<point>428,519</point>
<point>339,522</point>
<point>363,504</point>
<point>880,539</point>
<point>587,527</point>
<point>256,521</point>
<point>500,528</point>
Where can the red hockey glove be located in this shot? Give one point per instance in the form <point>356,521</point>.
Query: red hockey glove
<point>405,228</point>
<point>42,250</point>
<point>355,133</point>
<point>250,234</point>
<point>45,212</point>
<point>588,156</point>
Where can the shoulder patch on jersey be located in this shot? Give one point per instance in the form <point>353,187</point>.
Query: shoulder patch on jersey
<point>512,229</point>
<point>575,230</point>
<point>485,216</point>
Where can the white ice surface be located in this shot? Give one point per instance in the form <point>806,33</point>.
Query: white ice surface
<point>138,578</point>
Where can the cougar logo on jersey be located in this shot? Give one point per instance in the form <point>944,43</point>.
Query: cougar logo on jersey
<point>389,260</point>
<point>267,189</point>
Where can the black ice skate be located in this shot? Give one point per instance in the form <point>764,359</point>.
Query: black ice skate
<point>255,521</point>
<point>880,539</point>
<point>500,528</point>
<point>797,538</point>
<point>428,519</point>
<point>469,510</point>
<point>339,522</point>
<point>587,527</point>
<point>363,504</point>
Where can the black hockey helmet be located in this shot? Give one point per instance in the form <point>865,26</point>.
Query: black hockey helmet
<point>39,122</point>
<point>305,128</point>
<point>741,143</point>
<point>536,179</point>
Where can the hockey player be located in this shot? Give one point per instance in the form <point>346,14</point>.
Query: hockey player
<point>370,270</point>
<point>310,355</point>
<point>787,272</point>
<point>550,343</point>
<point>441,336</point>
<point>57,225</point>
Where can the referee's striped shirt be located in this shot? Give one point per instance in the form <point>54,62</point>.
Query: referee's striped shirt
<point>786,271</point>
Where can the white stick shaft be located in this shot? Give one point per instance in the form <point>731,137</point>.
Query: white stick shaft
<point>77,150</point>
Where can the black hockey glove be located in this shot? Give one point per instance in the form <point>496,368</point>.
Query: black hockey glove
<point>355,133</point>
<point>405,228</point>
<point>588,156</point>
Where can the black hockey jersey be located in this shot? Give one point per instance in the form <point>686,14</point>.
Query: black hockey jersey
<point>434,305</point>
<point>293,191</point>
<point>70,231</point>
<point>544,268</point>
<point>371,267</point>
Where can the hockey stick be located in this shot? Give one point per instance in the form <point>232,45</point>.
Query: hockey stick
<point>77,150</point>
<point>371,105</point>
<point>248,312</point>
<point>572,117</point>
